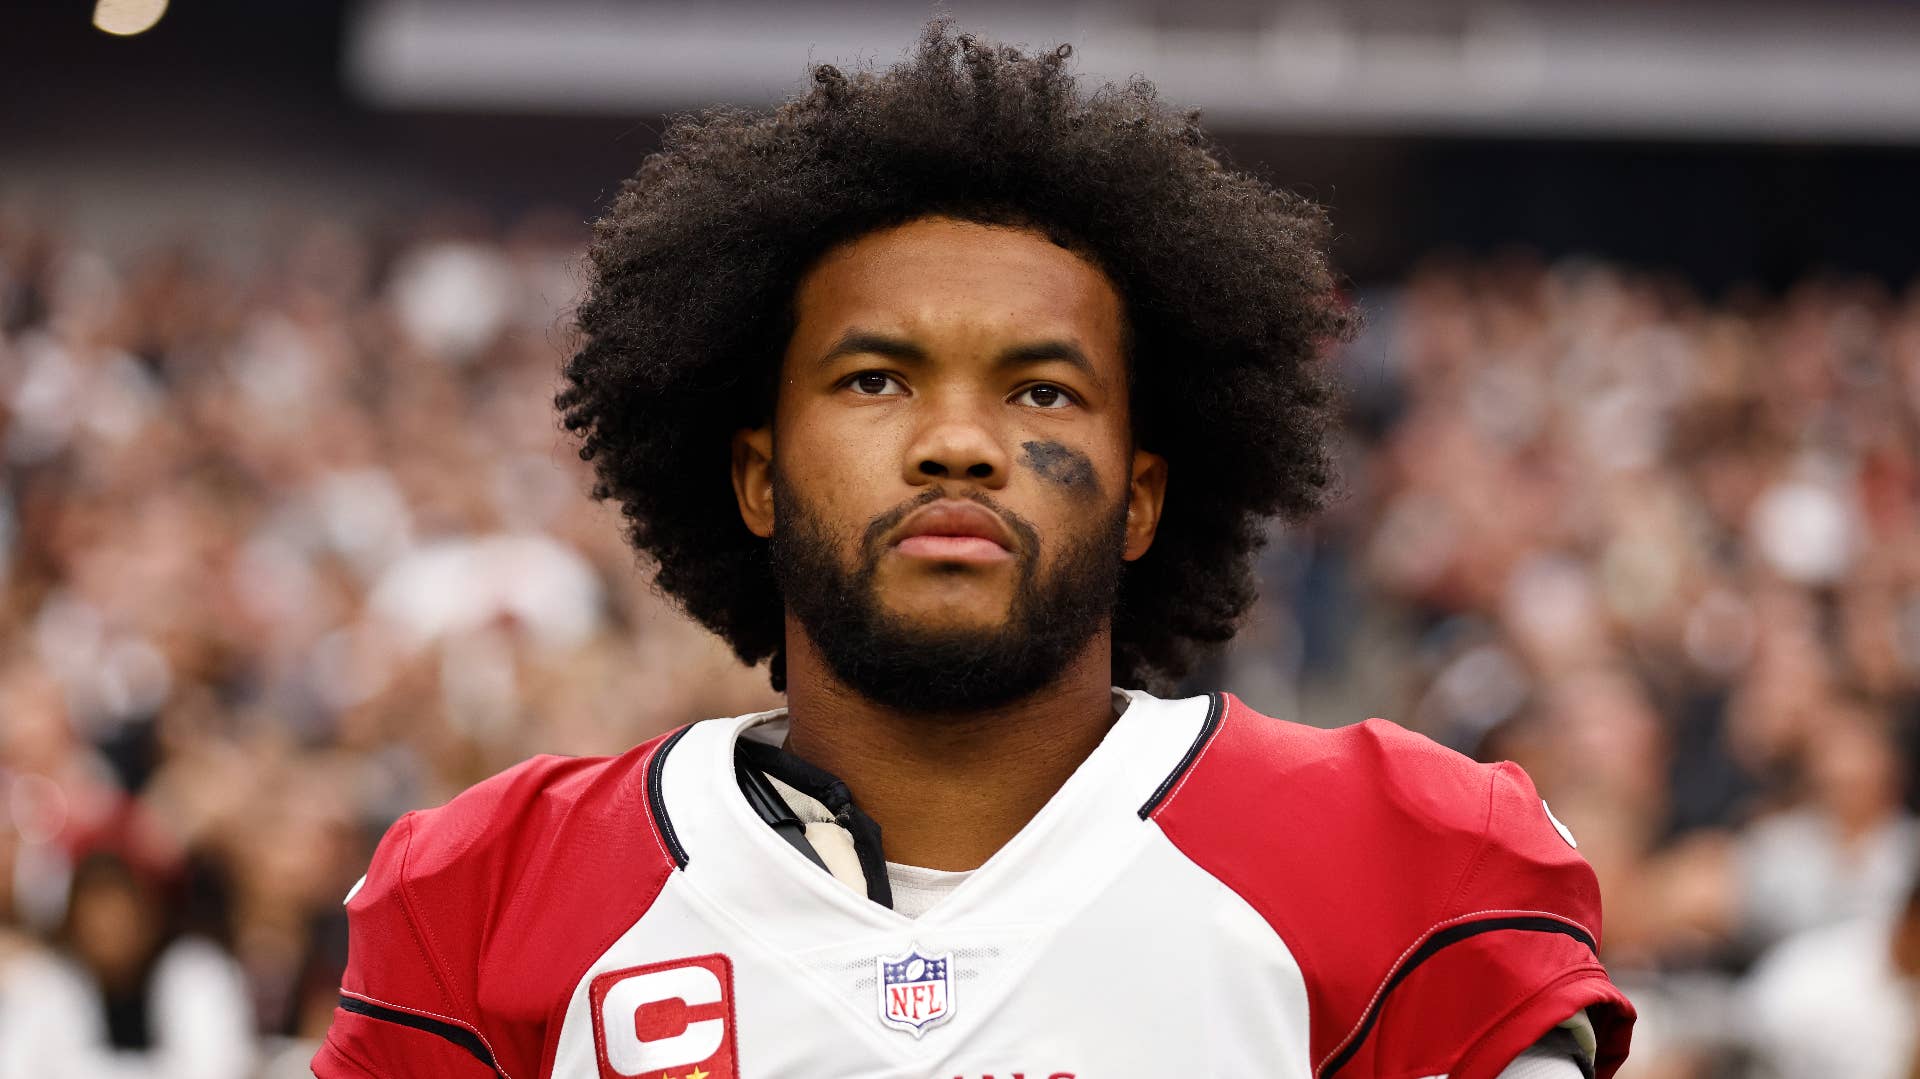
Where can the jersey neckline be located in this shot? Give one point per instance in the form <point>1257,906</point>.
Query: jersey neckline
<point>1079,836</point>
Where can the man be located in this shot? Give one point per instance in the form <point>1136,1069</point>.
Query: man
<point>1840,999</point>
<point>961,397</point>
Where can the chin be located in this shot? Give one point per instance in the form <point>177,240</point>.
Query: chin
<point>965,612</point>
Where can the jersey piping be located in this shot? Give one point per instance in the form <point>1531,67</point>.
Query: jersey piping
<point>1454,934</point>
<point>657,800</point>
<point>462,1036</point>
<point>1215,706</point>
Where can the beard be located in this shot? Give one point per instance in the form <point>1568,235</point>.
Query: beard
<point>911,668</point>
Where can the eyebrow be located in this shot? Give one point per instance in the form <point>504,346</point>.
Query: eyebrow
<point>905,351</point>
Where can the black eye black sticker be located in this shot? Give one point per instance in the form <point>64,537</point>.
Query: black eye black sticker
<point>1061,465</point>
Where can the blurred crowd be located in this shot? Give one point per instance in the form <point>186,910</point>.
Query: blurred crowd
<point>1665,553</point>
<point>291,542</point>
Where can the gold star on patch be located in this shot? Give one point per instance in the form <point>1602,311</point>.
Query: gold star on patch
<point>697,1074</point>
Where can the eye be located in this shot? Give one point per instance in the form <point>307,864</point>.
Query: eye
<point>1044,396</point>
<point>875,384</point>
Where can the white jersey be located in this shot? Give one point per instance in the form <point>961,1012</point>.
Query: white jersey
<point>1212,893</point>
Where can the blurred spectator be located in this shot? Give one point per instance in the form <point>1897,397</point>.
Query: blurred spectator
<point>1842,1000</point>
<point>1849,851</point>
<point>137,994</point>
<point>165,1003</point>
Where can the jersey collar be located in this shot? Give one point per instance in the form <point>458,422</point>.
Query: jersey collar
<point>1081,836</point>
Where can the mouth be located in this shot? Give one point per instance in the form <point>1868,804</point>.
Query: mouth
<point>954,531</point>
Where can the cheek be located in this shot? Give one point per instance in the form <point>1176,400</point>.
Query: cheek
<point>1077,495</point>
<point>1090,466</point>
<point>843,476</point>
<point>829,439</point>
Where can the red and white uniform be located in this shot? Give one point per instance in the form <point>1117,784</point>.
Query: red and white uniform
<point>1212,893</point>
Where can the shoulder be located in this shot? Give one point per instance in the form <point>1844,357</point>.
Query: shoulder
<point>199,968</point>
<point>492,831</point>
<point>30,975</point>
<point>479,914</point>
<point>48,1010</point>
<point>1809,968</point>
<point>1828,1001</point>
<point>483,853</point>
<point>1421,893</point>
<point>1370,797</point>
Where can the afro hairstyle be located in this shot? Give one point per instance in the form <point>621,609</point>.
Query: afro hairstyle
<point>1224,280</point>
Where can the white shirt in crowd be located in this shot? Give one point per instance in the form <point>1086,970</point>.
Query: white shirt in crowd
<point>52,1024</point>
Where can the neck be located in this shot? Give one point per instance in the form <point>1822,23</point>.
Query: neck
<point>949,790</point>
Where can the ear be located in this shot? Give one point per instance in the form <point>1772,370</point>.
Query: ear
<point>753,478</point>
<point>1145,494</point>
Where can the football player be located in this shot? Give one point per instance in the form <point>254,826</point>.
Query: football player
<point>961,396</point>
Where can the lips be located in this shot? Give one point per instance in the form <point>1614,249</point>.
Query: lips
<point>954,531</point>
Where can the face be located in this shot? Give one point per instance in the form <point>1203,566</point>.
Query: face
<point>113,929</point>
<point>949,480</point>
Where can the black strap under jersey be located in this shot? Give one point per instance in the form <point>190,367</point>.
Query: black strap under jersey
<point>754,761</point>
<point>770,807</point>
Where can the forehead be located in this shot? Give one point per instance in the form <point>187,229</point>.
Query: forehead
<point>939,274</point>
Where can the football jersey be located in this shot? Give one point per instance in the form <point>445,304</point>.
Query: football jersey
<point>1211,893</point>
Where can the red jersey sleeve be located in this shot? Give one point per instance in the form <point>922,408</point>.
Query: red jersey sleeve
<point>1516,954</point>
<point>1440,920</point>
<point>396,1014</point>
<point>477,920</point>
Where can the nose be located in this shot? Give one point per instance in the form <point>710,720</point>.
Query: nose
<point>952,447</point>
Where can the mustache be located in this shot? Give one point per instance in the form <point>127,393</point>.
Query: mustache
<point>1023,529</point>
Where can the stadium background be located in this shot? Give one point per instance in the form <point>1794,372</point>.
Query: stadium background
<point>290,541</point>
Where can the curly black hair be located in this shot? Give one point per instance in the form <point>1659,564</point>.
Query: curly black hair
<point>1224,280</point>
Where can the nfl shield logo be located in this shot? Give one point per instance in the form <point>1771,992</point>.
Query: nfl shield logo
<point>916,991</point>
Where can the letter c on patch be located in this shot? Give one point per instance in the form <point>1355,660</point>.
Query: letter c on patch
<point>691,985</point>
<point>691,998</point>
